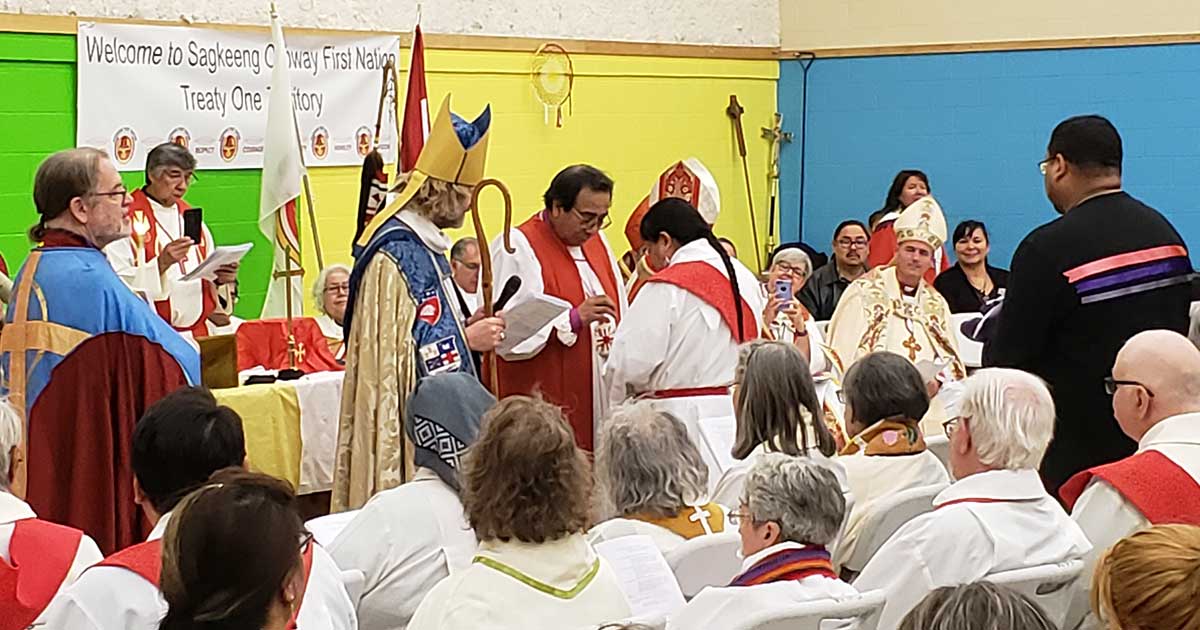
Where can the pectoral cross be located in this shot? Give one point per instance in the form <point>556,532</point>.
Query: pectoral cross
<point>700,515</point>
<point>913,347</point>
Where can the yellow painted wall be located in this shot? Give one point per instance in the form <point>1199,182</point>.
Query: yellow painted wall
<point>816,24</point>
<point>633,116</point>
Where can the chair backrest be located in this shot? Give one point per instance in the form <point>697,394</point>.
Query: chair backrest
<point>886,515</point>
<point>326,528</point>
<point>939,445</point>
<point>864,609</point>
<point>706,561</point>
<point>1050,585</point>
<point>969,350</point>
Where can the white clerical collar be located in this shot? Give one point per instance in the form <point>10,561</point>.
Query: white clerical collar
<point>158,207</point>
<point>1181,429</point>
<point>995,485</point>
<point>13,509</point>
<point>160,528</point>
<point>433,237</point>
<point>329,328</point>
<point>759,555</point>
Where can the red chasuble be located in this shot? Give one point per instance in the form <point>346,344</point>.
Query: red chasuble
<point>1161,490</point>
<point>41,555</point>
<point>265,342</point>
<point>707,283</point>
<point>563,374</point>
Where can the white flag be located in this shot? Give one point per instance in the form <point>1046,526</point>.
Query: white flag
<point>283,170</point>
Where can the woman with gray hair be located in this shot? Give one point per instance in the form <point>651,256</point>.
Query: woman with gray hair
<point>976,606</point>
<point>652,478</point>
<point>785,318</point>
<point>790,512</point>
<point>885,400</point>
<point>331,291</point>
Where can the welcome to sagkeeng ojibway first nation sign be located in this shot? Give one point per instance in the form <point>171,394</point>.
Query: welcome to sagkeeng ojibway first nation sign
<point>140,85</point>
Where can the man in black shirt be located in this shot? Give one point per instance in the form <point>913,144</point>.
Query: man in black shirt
<point>824,289</point>
<point>1081,286</point>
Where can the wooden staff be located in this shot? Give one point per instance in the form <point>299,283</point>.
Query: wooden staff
<point>485,265</point>
<point>735,111</point>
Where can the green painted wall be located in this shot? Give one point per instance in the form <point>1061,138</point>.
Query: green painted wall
<point>37,118</point>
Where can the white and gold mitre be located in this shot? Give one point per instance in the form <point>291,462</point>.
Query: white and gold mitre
<point>690,181</point>
<point>922,221</point>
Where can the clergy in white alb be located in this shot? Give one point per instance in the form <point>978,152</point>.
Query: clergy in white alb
<point>997,516</point>
<point>789,515</point>
<point>408,538</point>
<point>157,254</point>
<point>1155,386</point>
<point>561,252</point>
<point>331,291</point>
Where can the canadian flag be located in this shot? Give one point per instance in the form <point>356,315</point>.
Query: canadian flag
<point>416,107</point>
<point>283,171</point>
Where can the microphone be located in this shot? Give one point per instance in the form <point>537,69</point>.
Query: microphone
<point>509,290</point>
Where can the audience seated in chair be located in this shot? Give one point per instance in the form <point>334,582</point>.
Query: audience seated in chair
<point>39,556</point>
<point>885,401</point>
<point>997,516</point>
<point>527,493</point>
<point>777,410</point>
<point>650,475</point>
<point>791,510</point>
<point>407,539</point>
<point>1148,580</point>
<point>1156,400</point>
<point>976,606</point>
<point>177,445</point>
<point>236,555</point>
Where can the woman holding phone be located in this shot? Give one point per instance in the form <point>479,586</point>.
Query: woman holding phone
<point>785,318</point>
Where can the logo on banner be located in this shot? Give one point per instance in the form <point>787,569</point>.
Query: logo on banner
<point>430,310</point>
<point>362,139</point>
<point>124,144</point>
<point>180,136</point>
<point>231,141</point>
<point>320,143</point>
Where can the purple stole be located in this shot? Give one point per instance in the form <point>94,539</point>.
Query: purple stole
<point>788,565</point>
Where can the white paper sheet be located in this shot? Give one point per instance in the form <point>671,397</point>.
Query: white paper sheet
<point>719,435</point>
<point>525,318</point>
<point>219,257</point>
<point>646,578</point>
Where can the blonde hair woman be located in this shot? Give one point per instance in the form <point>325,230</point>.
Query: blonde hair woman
<point>1149,580</point>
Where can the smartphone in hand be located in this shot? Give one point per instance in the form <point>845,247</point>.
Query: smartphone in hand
<point>192,220</point>
<point>783,290</point>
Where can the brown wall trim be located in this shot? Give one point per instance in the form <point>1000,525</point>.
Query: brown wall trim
<point>1031,44</point>
<point>63,24</point>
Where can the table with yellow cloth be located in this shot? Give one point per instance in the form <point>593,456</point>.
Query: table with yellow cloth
<point>291,427</point>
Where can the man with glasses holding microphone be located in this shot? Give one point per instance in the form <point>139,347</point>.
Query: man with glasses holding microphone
<point>562,252</point>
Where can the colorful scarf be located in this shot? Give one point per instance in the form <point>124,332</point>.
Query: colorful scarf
<point>891,436</point>
<point>690,521</point>
<point>788,565</point>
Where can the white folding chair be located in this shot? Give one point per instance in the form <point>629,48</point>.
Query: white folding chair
<point>864,609</point>
<point>939,445</point>
<point>1049,585</point>
<point>326,528</point>
<point>969,350</point>
<point>886,516</point>
<point>706,561</point>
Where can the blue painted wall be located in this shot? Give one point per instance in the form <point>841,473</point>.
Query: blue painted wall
<point>978,124</point>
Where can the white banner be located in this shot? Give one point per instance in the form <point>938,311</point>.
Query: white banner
<point>207,89</point>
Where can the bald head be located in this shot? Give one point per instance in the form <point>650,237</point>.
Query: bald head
<point>1160,370</point>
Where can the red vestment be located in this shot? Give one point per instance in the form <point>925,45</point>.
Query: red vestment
<point>707,283</point>
<point>41,555</point>
<point>1161,490</point>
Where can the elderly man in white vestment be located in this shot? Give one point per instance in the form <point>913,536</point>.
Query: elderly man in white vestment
<point>407,539</point>
<point>651,477</point>
<point>178,444</point>
<point>1156,399</point>
<point>526,492</point>
<point>893,308</point>
<point>36,556</point>
<point>791,510</point>
<point>997,516</point>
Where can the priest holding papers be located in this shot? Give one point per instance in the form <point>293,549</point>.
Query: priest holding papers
<point>562,253</point>
<point>159,251</point>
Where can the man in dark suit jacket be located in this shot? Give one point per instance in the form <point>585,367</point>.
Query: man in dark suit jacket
<point>1081,286</point>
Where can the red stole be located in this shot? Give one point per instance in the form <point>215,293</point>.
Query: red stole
<point>140,211</point>
<point>707,283</point>
<point>1161,490</point>
<point>563,374</point>
<point>41,555</point>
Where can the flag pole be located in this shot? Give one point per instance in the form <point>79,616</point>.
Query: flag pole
<point>308,196</point>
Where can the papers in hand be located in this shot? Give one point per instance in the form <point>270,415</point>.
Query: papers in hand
<point>219,257</point>
<point>525,318</point>
<point>644,575</point>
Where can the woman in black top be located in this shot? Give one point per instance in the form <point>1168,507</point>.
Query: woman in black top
<point>971,282</point>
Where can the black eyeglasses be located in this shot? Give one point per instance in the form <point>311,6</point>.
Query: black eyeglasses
<point>591,220</point>
<point>1111,384</point>
<point>949,426</point>
<point>306,539</point>
<point>122,194</point>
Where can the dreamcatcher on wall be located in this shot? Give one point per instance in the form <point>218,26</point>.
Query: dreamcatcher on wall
<point>553,79</point>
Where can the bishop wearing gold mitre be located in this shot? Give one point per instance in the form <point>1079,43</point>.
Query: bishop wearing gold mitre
<point>893,308</point>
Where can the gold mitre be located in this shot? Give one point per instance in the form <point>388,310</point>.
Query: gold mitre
<point>455,152</point>
<point>922,221</point>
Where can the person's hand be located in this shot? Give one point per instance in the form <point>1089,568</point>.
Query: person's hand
<point>476,316</point>
<point>227,274</point>
<point>933,387</point>
<point>485,334</point>
<point>174,252</point>
<point>771,311</point>
<point>795,312</point>
<point>219,319</point>
<point>595,309</point>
